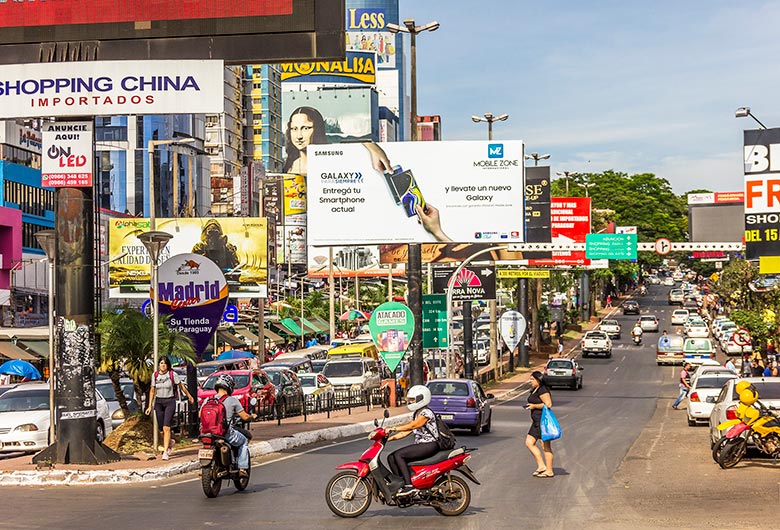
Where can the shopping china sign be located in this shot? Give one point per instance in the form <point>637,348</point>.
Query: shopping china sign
<point>110,88</point>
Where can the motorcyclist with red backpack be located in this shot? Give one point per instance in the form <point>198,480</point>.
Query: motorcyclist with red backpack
<point>233,410</point>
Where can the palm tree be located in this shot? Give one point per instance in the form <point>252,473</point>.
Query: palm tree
<point>126,345</point>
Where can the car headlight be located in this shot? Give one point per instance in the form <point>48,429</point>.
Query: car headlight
<point>27,427</point>
<point>118,414</point>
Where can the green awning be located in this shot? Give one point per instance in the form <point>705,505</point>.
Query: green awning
<point>36,347</point>
<point>322,324</point>
<point>313,325</point>
<point>292,326</point>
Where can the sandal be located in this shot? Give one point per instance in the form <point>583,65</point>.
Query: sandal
<point>538,472</point>
<point>545,475</point>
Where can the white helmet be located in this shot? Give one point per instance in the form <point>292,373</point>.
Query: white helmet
<point>418,397</point>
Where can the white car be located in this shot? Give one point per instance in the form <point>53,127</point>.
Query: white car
<point>610,327</point>
<point>698,351</point>
<point>697,329</point>
<point>726,402</point>
<point>716,322</point>
<point>648,323</point>
<point>679,317</point>
<point>24,418</point>
<point>738,342</point>
<point>317,390</point>
<point>481,351</point>
<point>669,281</point>
<point>717,327</point>
<point>726,327</point>
<point>705,384</point>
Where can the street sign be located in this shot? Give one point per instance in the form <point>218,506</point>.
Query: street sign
<point>392,326</point>
<point>610,246</point>
<point>472,283</point>
<point>522,273</point>
<point>434,321</point>
<point>512,326</point>
<point>663,246</point>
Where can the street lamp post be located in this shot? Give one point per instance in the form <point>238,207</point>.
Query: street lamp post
<point>152,199</point>
<point>566,175</point>
<point>155,242</point>
<point>489,118</point>
<point>536,157</point>
<point>414,260</point>
<point>744,112</point>
<point>46,239</point>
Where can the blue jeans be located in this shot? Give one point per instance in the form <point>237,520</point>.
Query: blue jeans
<point>239,441</point>
<point>683,393</point>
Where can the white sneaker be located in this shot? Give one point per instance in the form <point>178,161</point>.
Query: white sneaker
<point>165,455</point>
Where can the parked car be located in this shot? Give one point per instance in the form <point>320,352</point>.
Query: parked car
<point>481,352</point>
<point>318,391</point>
<point>289,392</point>
<point>725,404</point>
<point>565,372</point>
<point>739,342</point>
<point>630,307</point>
<point>679,317</point>
<point>670,351</point>
<point>352,373</point>
<point>610,327</point>
<point>106,388</point>
<point>249,384</point>
<point>705,384</point>
<point>720,325</point>
<point>24,418</point>
<point>648,323</point>
<point>696,351</point>
<point>318,364</point>
<point>461,403</point>
<point>298,365</point>
<point>697,329</point>
<point>676,296</point>
<point>207,368</point>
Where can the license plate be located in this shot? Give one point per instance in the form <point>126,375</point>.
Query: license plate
<point>205,454</point>
<point>446,416</point>
<point>670,354</point>
<point>560,372</point>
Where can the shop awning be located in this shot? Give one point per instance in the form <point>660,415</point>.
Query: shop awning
<point>292,325</point>
<point>314,324</point>
<point>35,347</point>
<point>12,351</point>
<point>285,330</point>
<point>247,334</point>
<point>273,336</point>
<point>231,339</point>
<point>324,325</point>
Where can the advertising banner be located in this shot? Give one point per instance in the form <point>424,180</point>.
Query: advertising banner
<point>325,117</point>
<point>11,133</point>
<point>537,209</point>
<point>111,88</point>
<point>367,31</point>
<point>272,200</point>
<point>762,193</point>
<point>569,223</point>
<point>392,326</point>
<point>350,262</point>
<point>445,253</point>
<point>359,67</point>
<point>238,246</point>
<point>194,291</point>
<point>512,328</point>
<point>294,194</point>
<point>471,283</point>
<point>67,159</point>
<point>433,192</point>
<point>295,244</point>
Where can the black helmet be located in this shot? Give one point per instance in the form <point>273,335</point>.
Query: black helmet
<point>225,381</point>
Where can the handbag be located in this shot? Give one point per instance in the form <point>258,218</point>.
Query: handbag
<point>551,429</point>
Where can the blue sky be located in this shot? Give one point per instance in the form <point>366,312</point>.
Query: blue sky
<point>630,86</point>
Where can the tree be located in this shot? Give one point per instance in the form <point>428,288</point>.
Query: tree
<point>126,345</point>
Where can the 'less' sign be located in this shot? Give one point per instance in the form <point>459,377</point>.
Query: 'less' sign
<point>67,157</point>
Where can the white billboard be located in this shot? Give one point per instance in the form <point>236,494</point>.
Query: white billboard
<point>110,88</point>
<point>416,192</point>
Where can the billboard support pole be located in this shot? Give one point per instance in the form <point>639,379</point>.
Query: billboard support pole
<point>390,283</point>
<point>522,307</point>
<point>414,275</point>
<point>331,296</point>
<point>468,341</point>
<point>261,329</point>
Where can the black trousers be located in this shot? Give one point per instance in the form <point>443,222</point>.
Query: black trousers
<point>399,459</point>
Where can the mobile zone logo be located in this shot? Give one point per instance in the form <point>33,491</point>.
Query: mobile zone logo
<point>495,150</point>
<point>495,158</point>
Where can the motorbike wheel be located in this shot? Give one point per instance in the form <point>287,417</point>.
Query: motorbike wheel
<point>732,452</point>
<point>717,447</point>
<point>338,485</point>
<point>242,483</point>
<point>455,496</point>
<point>208,479</point>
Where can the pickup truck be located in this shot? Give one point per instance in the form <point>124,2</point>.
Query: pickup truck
<point>596,343</point>
<point>611,328</point>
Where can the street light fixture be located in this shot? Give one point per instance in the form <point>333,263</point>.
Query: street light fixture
<point>47,241</point>
<point>536,157</point>
<point>566,175</point>
<point>155,242</point>
<point>489,118</point>
<point>744,112</point>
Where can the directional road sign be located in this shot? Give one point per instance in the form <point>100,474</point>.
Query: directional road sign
<point>434,321</point>
<point>523,273</point>
<point>610,246</point>
<point>472,283</point>
<point>663,246</point>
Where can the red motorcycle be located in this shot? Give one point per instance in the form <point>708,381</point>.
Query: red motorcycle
<point>350,491</point>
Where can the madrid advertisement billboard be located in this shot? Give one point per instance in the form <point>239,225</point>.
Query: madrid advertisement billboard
<point>326,116</point>
<point>462,192</point>
<point>762,193</point>
<point>238,245</point>
<point>569,223</point>
<point>240,32</point>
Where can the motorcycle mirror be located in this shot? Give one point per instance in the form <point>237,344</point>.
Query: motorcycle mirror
<point>376,423</point>
<point>387,414</point>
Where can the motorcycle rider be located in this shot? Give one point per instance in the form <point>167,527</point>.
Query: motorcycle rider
<point>426,434</point>
<point>233,409</point>
<point>642,290</point>
<point>637,332</point>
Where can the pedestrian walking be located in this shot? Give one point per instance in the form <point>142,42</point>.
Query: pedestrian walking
<point>731,366</point>
<point>537,399</point>
<point>609,300</point>
<point>165,386</point>
<point>685,384</point>
<point>560,347</point>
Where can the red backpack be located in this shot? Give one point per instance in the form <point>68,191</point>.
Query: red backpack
<point>213,416</point>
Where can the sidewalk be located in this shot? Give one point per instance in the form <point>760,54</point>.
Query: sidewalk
<point>268,438</point>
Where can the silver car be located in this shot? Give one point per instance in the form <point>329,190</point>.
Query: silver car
<point>725,403</point>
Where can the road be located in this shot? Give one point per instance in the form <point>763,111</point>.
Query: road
<point>600,423</point>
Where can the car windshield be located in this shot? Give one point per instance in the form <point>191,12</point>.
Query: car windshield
<point>766,390</point>
<point>241,381</point>
<point>107,389</point>
<point>353,369</point>
<point>205,371</point>
<point>714,381</point>
<point>25,400</point>
<point>308,380</point>
<point>698,345</point>
<point>559,364</point>
<point>649,318</point>
<point>318,365</point>
<point>448,388</point>
<point>609,323</point>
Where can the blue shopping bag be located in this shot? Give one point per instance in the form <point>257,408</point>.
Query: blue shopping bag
<point>551,429</point>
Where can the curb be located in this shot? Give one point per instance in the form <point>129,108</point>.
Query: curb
<point>123,476</point>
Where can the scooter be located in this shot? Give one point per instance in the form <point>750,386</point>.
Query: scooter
<point>642,290</point>
<point>350,491</point>
<point>637,338</point>
<point>758,426</point>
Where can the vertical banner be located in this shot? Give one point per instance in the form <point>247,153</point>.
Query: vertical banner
<point>537,209</point>
<point>762,193</point>
<point>67,159</point>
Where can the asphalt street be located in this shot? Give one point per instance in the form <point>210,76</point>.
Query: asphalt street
<point>600,423</point>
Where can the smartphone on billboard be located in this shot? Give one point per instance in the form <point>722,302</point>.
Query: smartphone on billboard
<point>404,189</point>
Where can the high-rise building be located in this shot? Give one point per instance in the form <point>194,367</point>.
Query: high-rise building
<point>429,128</point>
<point>266,139</point>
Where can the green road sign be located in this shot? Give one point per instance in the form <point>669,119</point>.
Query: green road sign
<point>434,321</point>
<point>610,246</point>
<point>392,327</point>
